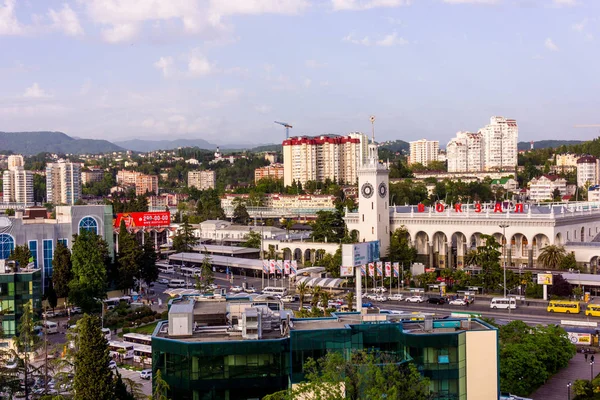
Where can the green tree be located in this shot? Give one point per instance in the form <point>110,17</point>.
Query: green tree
<point>21,255</point>
<point>10,212</point>
<point>207,277</point>
<point>93,379</point>
<point>121,391</point>
<point>328,227</point>
<point>184,240</point>
<point>128,259</point>
<point>253,240</point>
<point>488,257</point>
<point>302,289</point>
<point>240,212</point>
<point>61,270</point>
<point>160,387</point>
<point>350,300</point>
<point>551,256</point>
<point>208,205</point>
<point>89,270</point>
<point>148,269</point>
<point>26,342</point>
<point>568,262</point>
<point>400,249</point>
<point>51,296</point>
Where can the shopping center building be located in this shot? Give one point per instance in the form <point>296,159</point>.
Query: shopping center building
<point>246,348</point>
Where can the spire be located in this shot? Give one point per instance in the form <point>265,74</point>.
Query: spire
<point>372,118</point>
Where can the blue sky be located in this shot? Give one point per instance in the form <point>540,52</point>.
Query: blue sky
<point>224,70</point>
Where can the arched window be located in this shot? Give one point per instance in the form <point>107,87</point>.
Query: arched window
<point>88,224</point>
<point>7,245</point>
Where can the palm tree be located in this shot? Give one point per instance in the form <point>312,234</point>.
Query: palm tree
<point>551,256</point>
<point>350,300</point>
<point>302,290</point>
<point>316,293</point>
<point>472,258</point>
<point>325,297</point>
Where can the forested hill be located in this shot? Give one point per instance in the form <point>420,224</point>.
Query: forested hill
<point>30,143</point>
<point>544,144</point>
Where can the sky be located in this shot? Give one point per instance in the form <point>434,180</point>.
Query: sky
<point>224,70</point>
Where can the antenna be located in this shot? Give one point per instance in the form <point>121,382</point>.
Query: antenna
<point>372,119</point>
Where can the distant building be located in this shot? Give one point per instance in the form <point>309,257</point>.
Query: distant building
<point>506,183</point>
<point>15,160</point>
<point>566,160</point>
<point>202,180</point>
<point>275,171</point>
<point>424,151</point>
<point>587,171</point>
<point>594,193</point>
<point>192,161</point>
<point>542,188</point>
<point>271,157</point>
<point>146,184</point>
<point>63,182</point>
<point>464,153</point>
<point>92,175</point>
<point>324,157</point>
<point>17,183</point>
<point>284,201</point>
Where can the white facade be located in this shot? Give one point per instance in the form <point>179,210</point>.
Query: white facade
<point>500,144</point>
<point>424,151</point>
<point>15,160</point>
<point>324,157</point>
<point>566,160</point>
<point>587,171</point>
<point>17,186</point>
<point>202,180</point>
<point>465,152</point>
<point>542,188</point>
<point>63,182</point>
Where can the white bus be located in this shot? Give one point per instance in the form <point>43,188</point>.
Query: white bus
<point>138,338</point>
<point>116,349</point>
<point>189,271</point>
<point>176,283</point>
<point>499,302</point>
<point>275,291</point>
<point>51,327</point>
<point>106,333</point>
<point>165,268</point>
<point>142,352</point>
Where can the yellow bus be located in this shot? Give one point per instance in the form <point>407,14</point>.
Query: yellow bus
<point>593,310</point>
<point>563,306</point>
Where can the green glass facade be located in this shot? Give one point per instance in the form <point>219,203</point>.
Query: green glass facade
<point>251,369</point>
<point>17,289</point>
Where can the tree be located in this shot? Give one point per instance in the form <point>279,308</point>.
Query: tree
<point>121,392</point>
<point>316,293</point>
<point>253,240</point>
<point>569,262</point>
<point>21,255</point>
<point>93,379</point>
<point>184,240</point>
<point>147,263</point>
<point>207,277</point>
<point>240,213</point>
<point>10,212</point>
<point>350,300</point>
<point>328,227</point>
<point>61,273</point>
<point>302,290</point>
<point>400,249</point>
<point>488,257</point>
<point>89,270</point>
<point>51,295</point>
<point>26,342</point>
<point>551,256</point>
<point>128,258</point>
<point>160,387</point>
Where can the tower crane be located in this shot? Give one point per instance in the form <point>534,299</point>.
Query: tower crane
<point>286,126</point>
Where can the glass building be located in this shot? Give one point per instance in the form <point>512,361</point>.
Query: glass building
<point>16,290</point>
<point>214,359</point>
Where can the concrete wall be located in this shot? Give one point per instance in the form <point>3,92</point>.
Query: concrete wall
<point>482,364</point>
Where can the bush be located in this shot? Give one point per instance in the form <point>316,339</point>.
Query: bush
<point>126,330</point>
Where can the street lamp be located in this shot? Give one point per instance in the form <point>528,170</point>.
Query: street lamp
<point>591,371</point>
<point>504,226</point>
<point>569,391</point>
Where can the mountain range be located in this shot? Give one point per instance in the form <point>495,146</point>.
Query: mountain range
<point>31,143</point>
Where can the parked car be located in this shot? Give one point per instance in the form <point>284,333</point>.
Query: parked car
<point>396,297</point>
<point>458,302</point>
<point>290,298</point>
<point>415,299</point>
<point>436,300</point>
<point>371,296</point>
<point>112,364</point>
<point>380,298</point>
<point>250,290</point>
<point>146,374</point>
<point>380,289</point>
<point>236,289</point>
<point>367,304</point>
<point>163,281</point>
<point>75,310</point>
<point>48,314</point>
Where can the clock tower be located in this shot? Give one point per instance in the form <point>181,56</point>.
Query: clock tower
<point>373,198</point>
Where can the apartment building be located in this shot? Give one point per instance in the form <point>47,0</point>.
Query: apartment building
<point>17,183</point>
<point>274,171</point>
<point>323,157</point>
<point>284,201</point>
<point>587,171</point>
<point>143,183</point>
<point>464,153</point>
<point>424,151</point>
<point>15,160</point>
<point>202,180</point>
<point>542,188</point>
<point>91,176</point>
<point>63,182</point>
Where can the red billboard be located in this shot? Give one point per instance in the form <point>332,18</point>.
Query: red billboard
<point>144,219</point>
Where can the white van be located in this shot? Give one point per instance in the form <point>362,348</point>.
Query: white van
<point>275,291</point>
<point>500,302</point>
<point>51,327</point>
<point>176,283</point>
<point>165,268</point>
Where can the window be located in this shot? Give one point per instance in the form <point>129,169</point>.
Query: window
<point>88,224</point>
<point>7,245</point>
<point>65,242</point>
<point>33,251</point>
<point>48,254</point>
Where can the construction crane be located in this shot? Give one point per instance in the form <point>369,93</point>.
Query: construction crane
<point>287,128</point>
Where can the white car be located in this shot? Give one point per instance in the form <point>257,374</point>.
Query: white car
<point>250,290</point>
<point>372,296</point>
<point>236,289</point>
<point>396,297</point>
<point>146,374</point>
<point>458,302</point>
<point>289,299</point>
<point>380,298</point>
<point>415,299</point>
<point>112,364</point>
<point>163,281</point>
<point>380,289</point>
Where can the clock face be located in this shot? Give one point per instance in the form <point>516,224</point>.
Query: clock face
<point>382,190</point>
<point>367,190</point>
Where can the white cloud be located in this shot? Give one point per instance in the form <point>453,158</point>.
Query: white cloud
<point>550,45</point>
<point>262,109</point>
<point>198,65</point>
<point>35,91</point>
<point>66,21</point>
<point>342,5</point>
<point>314,64</point>
<point>580,26</point>
<point>472,1</point>
<point>120,33</point>
<point>223,98</point>
<point>351,39</point>
<point>165,64</point>
<point>565,3</point>
<point>307,82</point>
<point>391,40</point>
<point>9,24</point>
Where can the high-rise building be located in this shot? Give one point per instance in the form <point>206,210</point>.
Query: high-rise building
<point>63,182</point>
<point>17,183</point>
<point>500,144</point>
<point>587,171</point>
<point>92,175</point>
<point>15,160</point>
<point>323,157</point>
<point>202,180</point>
<point>465,152</point>
<point>424,151</point>
<point>493,148</point>
<point>146,184</point>
<point>274,171</point>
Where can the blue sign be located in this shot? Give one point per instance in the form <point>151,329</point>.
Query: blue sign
<point>373,251</point>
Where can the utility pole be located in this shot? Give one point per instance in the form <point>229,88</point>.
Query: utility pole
<point>504,226</point>
<point>45,353</point>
